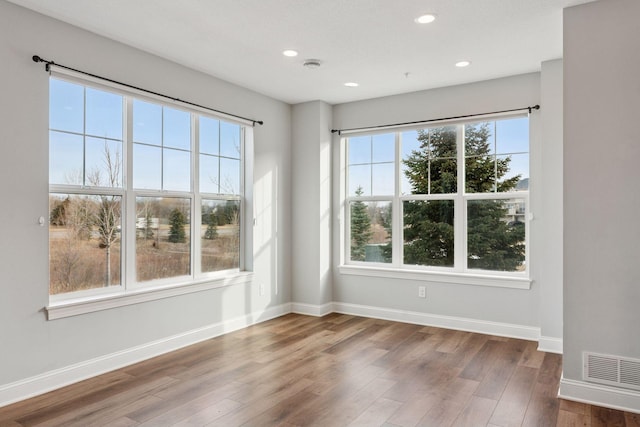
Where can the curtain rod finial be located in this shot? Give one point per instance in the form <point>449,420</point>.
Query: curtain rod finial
<point>36,58</point>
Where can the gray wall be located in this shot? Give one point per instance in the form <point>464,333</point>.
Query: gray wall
<point>601,176</point>
<point>311,198</point>
<point>548,243</point>
<point>31,345</point>
<point>485,304</point>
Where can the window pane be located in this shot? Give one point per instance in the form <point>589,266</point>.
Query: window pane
<point>163,237</point>
<point>220,235</point>
<point>209,135</point>
<point>104,114</point>
<point>428,232</point>
<point>496,234</point>
<point>104,162</point>
<point>66,106</point>
<point>429,163</point>
<point>359,180</point>
<point>383,182</point>
<point>147,167</point>
<point>209,174</point>
<point>508,170</point>
<point>84,242</point>
<point>176,125</point>
<point>383,148</point>
<point>147,122</point>
<point>516,172</point>
<point>370,231</point>
<point>411,146</point>
<point>177,170</point>
<point>65,158</point>
<point>479,139</point>
<point>230,140</point>
<point>359,150</point>
<point>443,175</point>
<point>512,136</point>
<point>229,176</point>
<point>480,174</point>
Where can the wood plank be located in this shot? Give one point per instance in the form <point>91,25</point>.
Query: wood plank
<point>544,403</point>
<point>632,420</point>
<point>256,407</point>
<point>377,413</point>
<point>512,406</point>
<point>335,370</point>
<point>476,413</point>
<point>414,409</point>
<point>573,419</point>
<point>601,417</point>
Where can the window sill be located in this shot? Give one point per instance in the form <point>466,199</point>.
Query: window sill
<point>513,282</point>
<point>74,307</point>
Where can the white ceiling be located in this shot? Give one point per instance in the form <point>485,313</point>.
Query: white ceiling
<point>373,42</point>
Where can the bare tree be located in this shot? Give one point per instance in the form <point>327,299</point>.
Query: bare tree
<point>107,217</point>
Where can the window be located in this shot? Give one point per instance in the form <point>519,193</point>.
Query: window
<point>444,199</point>
<point>141,193</point>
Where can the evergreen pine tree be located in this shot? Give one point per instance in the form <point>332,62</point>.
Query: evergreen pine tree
<point>148,225</point>
<point>177,222</point>
<point>212,226</point>
<point>360,228</point>
<point>492,243</point>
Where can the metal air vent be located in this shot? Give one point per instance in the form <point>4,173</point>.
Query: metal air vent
<point>612,370</point>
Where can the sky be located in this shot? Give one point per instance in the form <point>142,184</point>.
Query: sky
<point>84,123</point>
<point>371,157</point>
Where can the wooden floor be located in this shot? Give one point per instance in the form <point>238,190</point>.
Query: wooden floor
<point>337,370</point>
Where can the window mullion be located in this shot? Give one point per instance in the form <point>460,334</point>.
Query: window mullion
<point>129,208</point>
<point>460,208</point>
<point>396,208</point>
<point>196,209</point>
<point>244,215</point>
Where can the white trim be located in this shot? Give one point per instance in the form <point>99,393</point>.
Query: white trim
<point>459,278</point>
<point>48,381</point>
<point>58,378</point>
<point>440,321</point>
<point>596,394</point>
<point>78,306</point>
<point>550,344</point>
<point>312,309</point>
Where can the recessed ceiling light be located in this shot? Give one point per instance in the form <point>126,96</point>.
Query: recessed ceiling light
<point>425,19</point>
<point>351,84</point>
<point>290,53</point>
<point>462,64</point>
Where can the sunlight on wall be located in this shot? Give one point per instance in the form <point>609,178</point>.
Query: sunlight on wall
<point>265,230</point>
<point>325,216</point>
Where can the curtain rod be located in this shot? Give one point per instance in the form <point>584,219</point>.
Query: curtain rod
<point>48,65</point>
<point>339,131</point>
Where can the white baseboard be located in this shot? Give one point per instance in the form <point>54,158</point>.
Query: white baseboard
<point>550,345</point>
<point>600,395</point>
<point>449,322</point>
<point>39,384</point>
<point>312,309</point>
<point>52,380</point>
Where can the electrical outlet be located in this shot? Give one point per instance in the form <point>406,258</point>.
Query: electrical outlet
<point>261,287</point>
<point>422,292</point>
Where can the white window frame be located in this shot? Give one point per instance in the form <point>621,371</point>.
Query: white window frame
<point>460,273</point>
<point>130,291</point>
